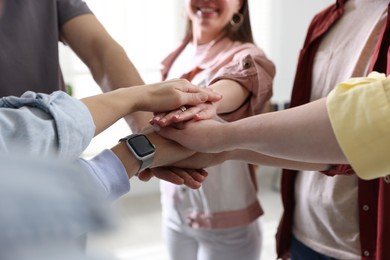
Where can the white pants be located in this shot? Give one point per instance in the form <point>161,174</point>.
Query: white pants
<point>242,243</point>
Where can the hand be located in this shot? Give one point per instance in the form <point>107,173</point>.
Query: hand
<point>172,94</point>
<point>201,136</point>
<point>199,112</point>
<point>203,160</point>
<point>167,151</point>
<point>192,178</point>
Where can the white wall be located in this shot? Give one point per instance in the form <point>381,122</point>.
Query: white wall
<point>287,22</point>
<point>149,29</point>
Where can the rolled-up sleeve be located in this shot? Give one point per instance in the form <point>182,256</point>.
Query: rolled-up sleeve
<point>254,71</point>
<point>359,111</point>
<point>42,124</point>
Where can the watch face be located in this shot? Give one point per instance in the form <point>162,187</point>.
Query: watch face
<point>141,145</point>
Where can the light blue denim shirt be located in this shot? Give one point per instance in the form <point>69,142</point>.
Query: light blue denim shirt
<point>58,125</point>
<point>50,195</point>
<point>41,124</point>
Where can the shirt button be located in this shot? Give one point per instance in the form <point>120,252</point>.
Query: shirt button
<point>366,253</point>
<point>366,207</point>
<point>246,65</point>
<point>387,179</point>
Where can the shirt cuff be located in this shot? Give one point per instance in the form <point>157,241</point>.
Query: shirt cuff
<point>109,171</point>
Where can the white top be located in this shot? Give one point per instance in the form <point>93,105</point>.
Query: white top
<point>326,213</point>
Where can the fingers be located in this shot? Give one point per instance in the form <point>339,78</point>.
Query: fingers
<point>145,175</point>
<point>176,116</point>
<point>192,178</point>
<point>168,118</point>
<point>204,111</point>
<point>200,95</point>
<point>168,132</point>
<point>199,112</point>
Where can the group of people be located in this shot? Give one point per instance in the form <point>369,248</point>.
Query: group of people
<point>208,130</point>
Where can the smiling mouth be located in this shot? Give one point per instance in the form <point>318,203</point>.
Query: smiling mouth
<point>205,11</point>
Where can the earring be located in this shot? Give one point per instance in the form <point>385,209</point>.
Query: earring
<point>236,20</point>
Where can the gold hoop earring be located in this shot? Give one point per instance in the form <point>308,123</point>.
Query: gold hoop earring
<point>236,20</point>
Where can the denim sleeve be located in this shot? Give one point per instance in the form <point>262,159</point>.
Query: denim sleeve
<point>42,124</point>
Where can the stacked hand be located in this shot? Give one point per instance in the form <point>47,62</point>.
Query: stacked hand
<point>185,166</point>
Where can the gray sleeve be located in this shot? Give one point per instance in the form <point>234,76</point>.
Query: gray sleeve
<point>41,124</point>
<point>68,9</point>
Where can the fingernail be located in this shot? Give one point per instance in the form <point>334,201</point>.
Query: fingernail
<point>156,127</point>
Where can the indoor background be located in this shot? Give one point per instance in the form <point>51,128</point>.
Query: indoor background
<point>148,30</point>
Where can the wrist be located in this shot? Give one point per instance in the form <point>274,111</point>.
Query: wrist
<point>130,98</point>
<point>128,160</point>
<point>141,148</point>
<point>227,137</point>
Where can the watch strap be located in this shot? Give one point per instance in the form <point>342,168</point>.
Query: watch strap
<point>146,161</point>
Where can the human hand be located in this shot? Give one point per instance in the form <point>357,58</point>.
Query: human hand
<point>199,112</point>
<point>203,160</point>
<point>167,151</point>
<point>202,136</point>
<point>172,94</point>
<point>192,178</point>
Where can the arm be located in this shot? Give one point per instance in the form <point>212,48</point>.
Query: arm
<point>41,124</point>
<point>107,108</point>
<point>111,169</point>
<point>60,124</point>
<point>303,133</point>
<point>204,160</point>
<point>105,58</point>
<point>245,83</point>
<point>234,95</point>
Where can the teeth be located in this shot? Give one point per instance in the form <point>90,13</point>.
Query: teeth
<point>206,10</point>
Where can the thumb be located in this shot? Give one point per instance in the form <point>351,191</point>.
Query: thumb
<point>145,175</point>
<point>166,132</point>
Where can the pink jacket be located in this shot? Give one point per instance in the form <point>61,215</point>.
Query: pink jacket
<point>228,197</point>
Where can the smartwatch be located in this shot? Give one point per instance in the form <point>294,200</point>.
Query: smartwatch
<point>142,148</point>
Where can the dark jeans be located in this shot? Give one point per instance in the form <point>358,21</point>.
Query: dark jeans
<point>299,251</point>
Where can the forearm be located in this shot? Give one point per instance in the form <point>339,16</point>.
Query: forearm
<point>167,152</point>
<point>105,58</point>
<point>234,95</point>
<point>115,70</point>
<point>258,158</point>
<point>303,133</point>
<point>109,107</point>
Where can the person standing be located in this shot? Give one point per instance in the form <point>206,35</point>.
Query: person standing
<point>321,220</point>
<point>29,35</point>
<point>220,219</point>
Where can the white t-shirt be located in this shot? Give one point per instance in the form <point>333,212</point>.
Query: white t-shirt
<point>326,212</point>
